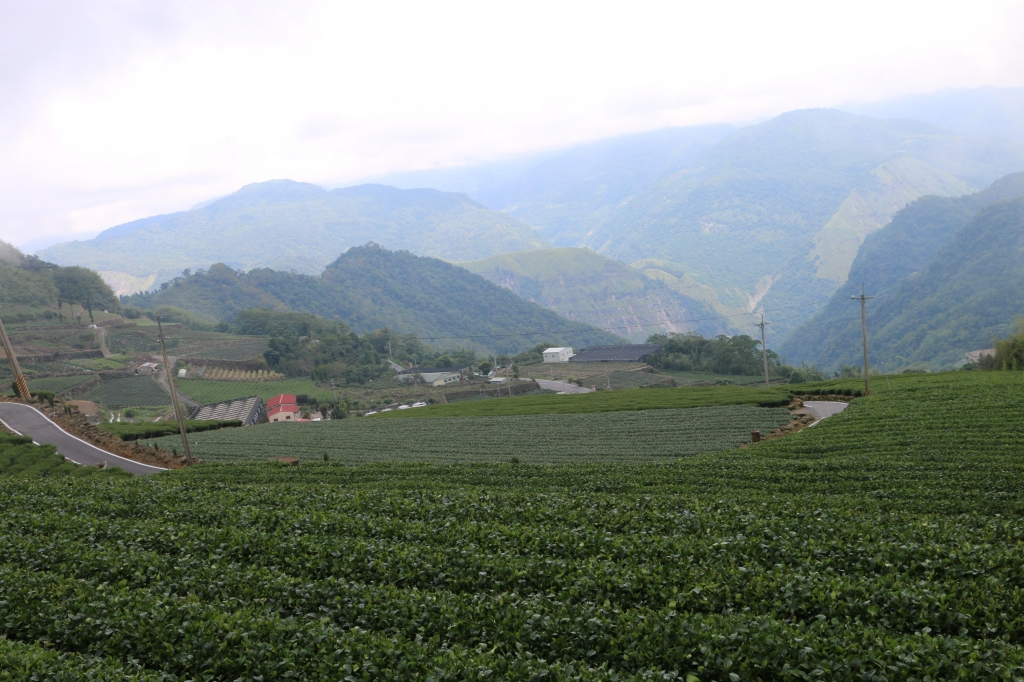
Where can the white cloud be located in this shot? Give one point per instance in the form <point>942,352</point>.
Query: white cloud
<point>129,109</point>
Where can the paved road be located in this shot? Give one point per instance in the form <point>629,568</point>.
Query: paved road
<point>823,408</point>
<point>28,421</point>
<point>561,386</point>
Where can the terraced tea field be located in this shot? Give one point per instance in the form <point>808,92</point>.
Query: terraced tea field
<point>221,374</point>
<point>55,384</point>
<point>885,543</point>
<point>140,391</point>
<point>604,401</point>
<point>206,391</point>
<point>648,435</point>
<point>243,350</point>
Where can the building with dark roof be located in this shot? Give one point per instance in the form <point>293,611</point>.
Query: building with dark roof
<point>638,352</point>
<point>246,410</point>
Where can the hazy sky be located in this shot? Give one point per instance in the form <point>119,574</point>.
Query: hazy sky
<point>112,111</point>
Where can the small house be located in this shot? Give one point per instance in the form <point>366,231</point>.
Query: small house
<point>558,354</point>
<point>282,408</point>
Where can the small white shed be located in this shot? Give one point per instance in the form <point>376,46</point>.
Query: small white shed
<point>558,354</point>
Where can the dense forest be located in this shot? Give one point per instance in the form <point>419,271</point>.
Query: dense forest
<point>48,290</point>
<point>946,278</point>
<point>370,288</point>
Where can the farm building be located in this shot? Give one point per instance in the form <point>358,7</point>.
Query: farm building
<point>282,408</point>
<point>558,354</point>
<point>147,368</point>
<point>638,352</point>
<point>432,376</point>
<point>245,409</point>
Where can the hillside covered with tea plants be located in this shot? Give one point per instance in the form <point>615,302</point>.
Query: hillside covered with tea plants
<point>883,543</point>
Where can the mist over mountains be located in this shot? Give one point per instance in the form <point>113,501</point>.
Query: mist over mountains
<point>712,221</point>
<point>285,225</point>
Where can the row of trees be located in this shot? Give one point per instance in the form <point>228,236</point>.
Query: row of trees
<point>1009,353</point>
<point>735,355</point>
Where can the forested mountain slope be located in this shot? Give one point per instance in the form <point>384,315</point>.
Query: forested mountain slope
<point>370,287</point>
<point>586,286</point>
<point>777,211</point>
<point>770,215</point>
<point>946,273</point>
<point>29,283</point>
<point>286,225</point>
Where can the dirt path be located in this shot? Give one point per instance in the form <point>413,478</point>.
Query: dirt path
<point>161,378</point>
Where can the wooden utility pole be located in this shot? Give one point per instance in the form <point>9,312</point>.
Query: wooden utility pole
<point>864,332</point>
<point>764,350</point>
<point>20,385</point>
<point>174,395</point>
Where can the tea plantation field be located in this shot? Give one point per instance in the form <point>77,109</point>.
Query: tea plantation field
<point>209,391</point>
<point>885,543</point>
<point>617,436</point>
<point>603,401</point>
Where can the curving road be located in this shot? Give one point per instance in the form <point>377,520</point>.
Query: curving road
<point>28,421</point>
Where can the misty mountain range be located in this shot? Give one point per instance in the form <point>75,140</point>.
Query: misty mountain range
<point>713,221</point>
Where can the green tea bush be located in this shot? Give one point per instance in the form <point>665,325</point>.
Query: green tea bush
<point>861,549</point>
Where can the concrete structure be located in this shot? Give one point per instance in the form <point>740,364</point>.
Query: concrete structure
<point>976,355</point>
<point>638,352</point>
<point>432,376</point>
<point>147,368</point>
<point>440,378</point>
<point>247,410</point>
<point>282,408</point>
<point>558,354</point>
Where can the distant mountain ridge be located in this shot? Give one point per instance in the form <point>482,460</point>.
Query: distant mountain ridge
<point>948,276</point>
<point>583,285</point>
<point>369,288</point>
<point>285,225</point>
<point>766,216</point>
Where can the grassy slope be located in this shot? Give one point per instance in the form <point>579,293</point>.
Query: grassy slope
<point>886,538</point>
<point>603,401</point>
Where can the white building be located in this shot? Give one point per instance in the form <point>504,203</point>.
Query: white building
<point>440,378</point>
<point>558,354</point>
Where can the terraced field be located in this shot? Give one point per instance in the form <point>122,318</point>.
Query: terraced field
<point>138,391</point>
<point>207,391</point>
<point>243,350</point>
<point>604,401</point>
<point>886,543</point>
<point>648,435</point>
<point>55,384</point>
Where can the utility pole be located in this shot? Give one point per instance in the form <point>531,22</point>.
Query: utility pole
<point>864,331</point>
<point>20,385</point>
<point>764,350</point>
<point>174,395</point>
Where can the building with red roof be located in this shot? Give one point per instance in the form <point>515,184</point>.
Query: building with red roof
<point>282,408</point>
